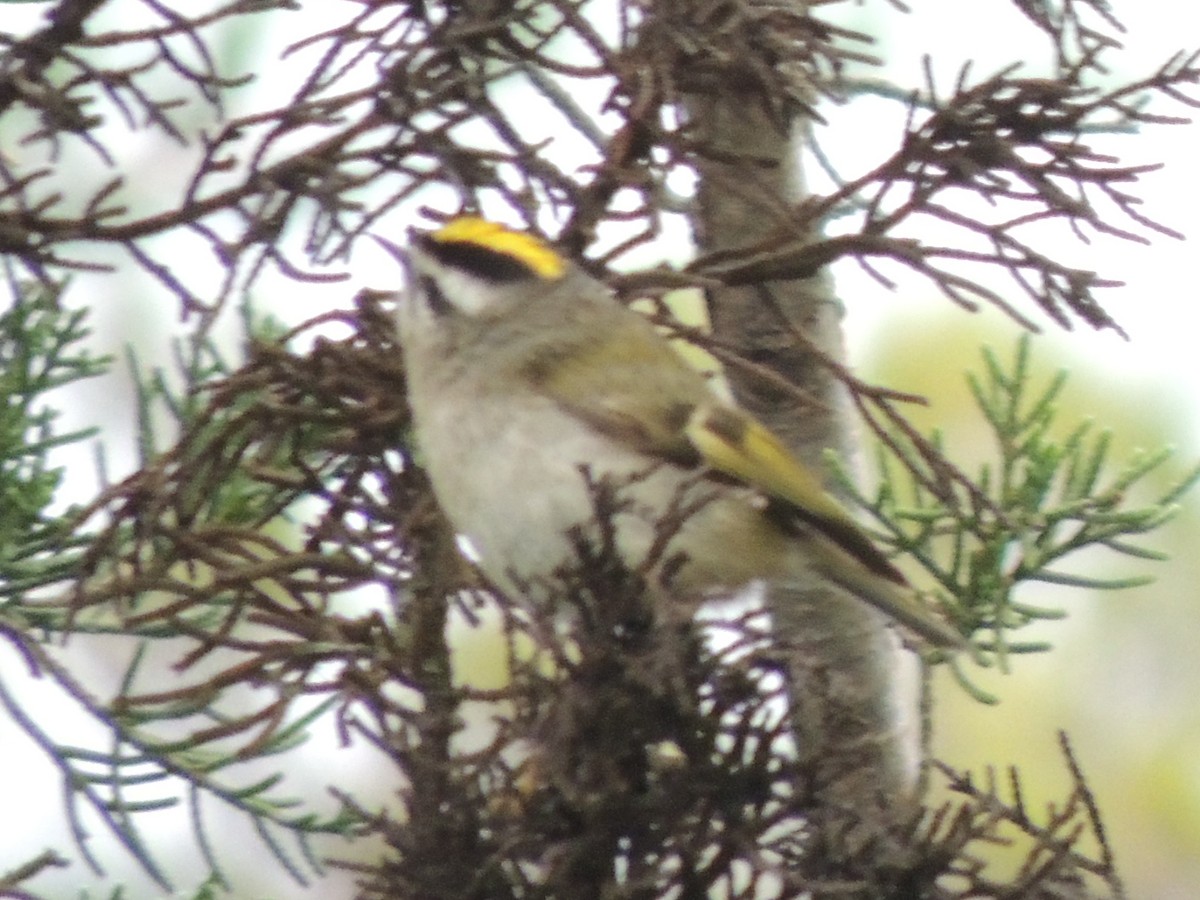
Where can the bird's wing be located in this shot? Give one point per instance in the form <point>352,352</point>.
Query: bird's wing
<point>626,386</point>
<point>621,385</point>
<point>734,443</point>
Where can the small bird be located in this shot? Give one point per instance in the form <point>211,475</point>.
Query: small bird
<point>526,377</point>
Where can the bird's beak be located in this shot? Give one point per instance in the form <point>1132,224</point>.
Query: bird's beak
<point>396,252</point>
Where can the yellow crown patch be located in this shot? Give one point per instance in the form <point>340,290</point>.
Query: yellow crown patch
<point>519,246</point>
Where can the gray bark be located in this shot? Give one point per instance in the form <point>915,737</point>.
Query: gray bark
<point>854,702</point>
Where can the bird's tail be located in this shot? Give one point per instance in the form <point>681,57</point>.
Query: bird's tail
<point>895,598</point>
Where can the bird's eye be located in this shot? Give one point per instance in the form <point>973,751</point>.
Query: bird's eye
<point>434,298</point>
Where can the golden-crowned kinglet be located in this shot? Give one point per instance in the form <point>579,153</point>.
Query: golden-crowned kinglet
<point>524,372</point>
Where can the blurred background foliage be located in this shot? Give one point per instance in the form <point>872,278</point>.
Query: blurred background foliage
<point>1123,676</point>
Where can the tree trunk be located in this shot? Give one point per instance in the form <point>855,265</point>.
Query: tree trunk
<point>853,697</point>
